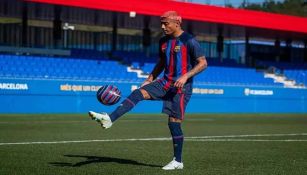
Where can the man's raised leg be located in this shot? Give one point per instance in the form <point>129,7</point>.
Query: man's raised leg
<point>106,120</point>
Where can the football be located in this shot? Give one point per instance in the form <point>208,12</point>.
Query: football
<point>108,95</point>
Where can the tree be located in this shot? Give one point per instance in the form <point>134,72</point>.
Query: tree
<point>289,7</point>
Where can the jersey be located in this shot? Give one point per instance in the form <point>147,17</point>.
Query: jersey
<point>179,55</point>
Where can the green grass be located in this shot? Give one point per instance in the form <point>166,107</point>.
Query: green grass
<point>271,154</point>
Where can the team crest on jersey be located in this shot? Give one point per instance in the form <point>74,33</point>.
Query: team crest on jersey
<point>177,48</point>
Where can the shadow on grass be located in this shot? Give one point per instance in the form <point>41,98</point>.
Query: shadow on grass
<point>96,159</point>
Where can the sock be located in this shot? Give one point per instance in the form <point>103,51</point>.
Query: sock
<point>127,104</point>
<point>177,136</point>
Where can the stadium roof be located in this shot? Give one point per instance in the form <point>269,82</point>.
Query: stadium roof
<point>197,12</point>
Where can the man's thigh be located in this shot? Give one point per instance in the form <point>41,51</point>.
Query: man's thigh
<point>174,104</point>
<point>155,90</point>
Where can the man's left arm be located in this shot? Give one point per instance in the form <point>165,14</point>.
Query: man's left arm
<point>200,66</point>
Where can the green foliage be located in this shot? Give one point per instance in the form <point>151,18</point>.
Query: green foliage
<point>289,7</point>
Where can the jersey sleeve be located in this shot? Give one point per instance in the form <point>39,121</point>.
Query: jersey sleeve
<point>195,50</point>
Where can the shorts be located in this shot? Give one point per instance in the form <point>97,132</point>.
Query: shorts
<point>174,100</point>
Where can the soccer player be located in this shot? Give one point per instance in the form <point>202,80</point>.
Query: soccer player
<point>181,58</point>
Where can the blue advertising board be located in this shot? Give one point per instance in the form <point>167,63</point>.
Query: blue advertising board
<point>67,96</point>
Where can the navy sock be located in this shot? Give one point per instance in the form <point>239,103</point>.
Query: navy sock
<point>177,136</point>
<point>127,104</point>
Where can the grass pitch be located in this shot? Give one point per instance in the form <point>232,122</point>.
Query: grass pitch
<point>140,144</point>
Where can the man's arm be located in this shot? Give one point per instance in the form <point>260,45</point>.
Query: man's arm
<point>155,72</point>
<point>200,66</point>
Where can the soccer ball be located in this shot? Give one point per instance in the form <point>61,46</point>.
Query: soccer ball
<point>108,95</point>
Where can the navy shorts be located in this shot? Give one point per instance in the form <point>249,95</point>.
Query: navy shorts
<point>174,100</point>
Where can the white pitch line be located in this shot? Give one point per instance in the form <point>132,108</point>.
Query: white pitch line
<point>86,141</point>
<point>196,138</point>
<point>246,140</point>
<point>249,135</point>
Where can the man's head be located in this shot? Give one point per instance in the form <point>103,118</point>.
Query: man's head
<point>170,22</point>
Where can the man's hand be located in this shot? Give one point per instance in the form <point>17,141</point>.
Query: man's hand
<point>181,81</point>
<point>200,66</point>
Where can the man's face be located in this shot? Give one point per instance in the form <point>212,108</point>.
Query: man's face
<point>169,27</point>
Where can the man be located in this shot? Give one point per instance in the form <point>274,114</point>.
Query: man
<point>180,58</point>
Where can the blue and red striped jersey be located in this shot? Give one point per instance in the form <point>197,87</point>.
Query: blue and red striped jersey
<point>180,56</point>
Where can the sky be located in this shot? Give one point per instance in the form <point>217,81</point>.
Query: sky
<point>222,2</point>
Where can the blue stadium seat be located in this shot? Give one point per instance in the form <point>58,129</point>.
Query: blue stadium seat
<point>60,68</point>
<point>292,71</point>
<point>77,68</point>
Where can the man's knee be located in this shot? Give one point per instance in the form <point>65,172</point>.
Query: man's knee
<point>145,94</point>
<point>173,119</point>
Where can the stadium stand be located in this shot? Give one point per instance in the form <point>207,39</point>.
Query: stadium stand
<point>135,59</point>
<point>88,54</point>
<point>292,71</point>
<point>12,66</point>
<point>227,72</point>
<point>85,65</point>
<point>219,75</point>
